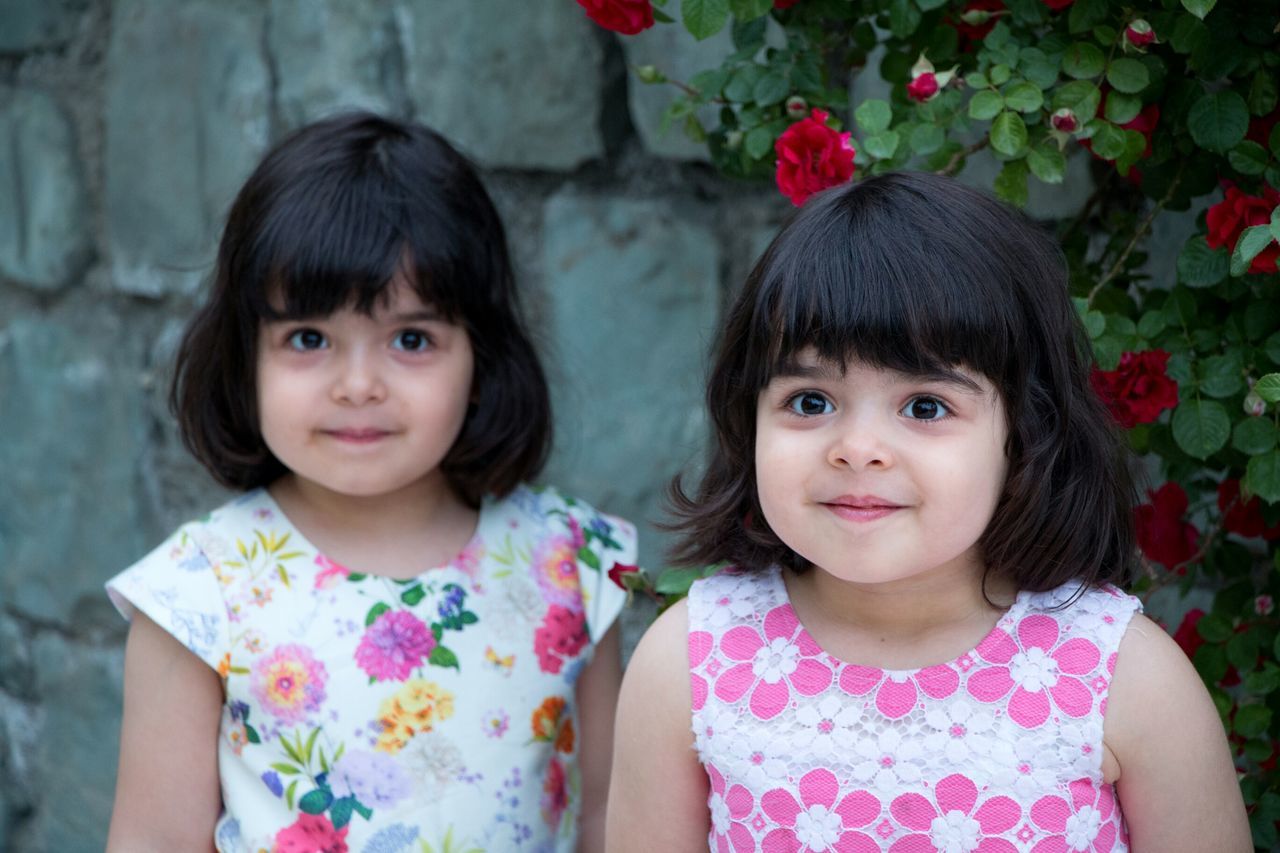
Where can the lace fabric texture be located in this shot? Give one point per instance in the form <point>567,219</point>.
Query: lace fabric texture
<point>997,750</point>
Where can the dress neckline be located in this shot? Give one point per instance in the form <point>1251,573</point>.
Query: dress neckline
<point>326,562</point>
<point>962,662</point>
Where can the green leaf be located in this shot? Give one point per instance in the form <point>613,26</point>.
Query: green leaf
<point>904,18</point>
<point>749,10</point>
<point>340,813</point>
<point>1221,375</point>
<point>883,145</point>
<point>1218,121</point>
<point>926,138</point>
<point>1121,108</point>
<point>1249,158</point>
<point>1024,97</point>
<point>1268,387</point>
<point>1262,93</point>
<point>929,5</point>
<point>1008,133</point>
<point>374,612</point>
<point>1128,75</point>
<point>1108,140</point>
<point>413,595</point>
<point>1254,436</point>
<point>441,656</point>
<point>286,769</point>
<point>1263,682</point>
<point>1262,476</point>
<point>772,88</point>
<point>356,577</point>
<point>290,792</point>
<point>1200,266</point>
<point>873,116</point>
<point>1252,241</point>
<point>1152,324</point>
<point>1199,8</point>
<point>704,18</point>
<point>1087,14</point>
<point>1011,183</point>
<point>758,142</point>
<point>1201,427</point>
<point>985,105</point>
<point>1079,96</point>
<point>1000,74</point>
<point>251,734</point>
<point>976,80</point>
<point>1252,720</point>
<point>1215,628</point>
<point>1047,163</point>
<point>315,802</point>
<point>1038,67</point>
<point>1095,323</point>
<point>1083,60</point>
<point>310,747</point>
<point>676,581</point>
<point>1242,651</point>
<point>587,556</point>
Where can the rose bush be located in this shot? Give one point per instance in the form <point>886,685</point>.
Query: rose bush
<point>1177,102</point>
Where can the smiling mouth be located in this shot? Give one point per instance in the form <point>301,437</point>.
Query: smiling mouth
<point>861,509</point>
<point>357,436</point>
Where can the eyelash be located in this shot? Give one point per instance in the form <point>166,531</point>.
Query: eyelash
<point>790,402</point>
<point>293,340</point>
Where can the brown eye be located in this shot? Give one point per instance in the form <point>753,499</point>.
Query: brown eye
<point>305,340</point>
<point>810,403</point>
<point>925,409</point>
<point>412,340</point>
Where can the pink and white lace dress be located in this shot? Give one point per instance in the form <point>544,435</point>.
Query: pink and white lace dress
<point>997,751</point>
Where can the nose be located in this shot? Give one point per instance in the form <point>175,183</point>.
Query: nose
<point>358,380</point>
<point>858,442</point>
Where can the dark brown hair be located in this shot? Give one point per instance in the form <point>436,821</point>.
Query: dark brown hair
<point>917,273</point>
<point>325,221</point>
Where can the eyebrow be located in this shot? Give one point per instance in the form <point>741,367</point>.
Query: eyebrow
<point>830,371</point>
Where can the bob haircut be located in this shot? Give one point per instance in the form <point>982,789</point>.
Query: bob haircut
<point>325,221</point>
<point>918,274</point>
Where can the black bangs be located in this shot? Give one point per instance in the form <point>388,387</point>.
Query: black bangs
<point>900,287</point>
<point>342,223</point>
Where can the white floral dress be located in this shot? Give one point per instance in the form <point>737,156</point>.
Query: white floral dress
<point>378,715</point>
<point>997,751</point>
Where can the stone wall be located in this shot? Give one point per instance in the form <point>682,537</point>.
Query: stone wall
<point>125,128</point>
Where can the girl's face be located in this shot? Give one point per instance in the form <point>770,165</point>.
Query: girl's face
<point>365,406</point>
<point>876,476</point>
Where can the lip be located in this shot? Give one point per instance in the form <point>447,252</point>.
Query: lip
<point>361,435</point>
<point>861,507</point>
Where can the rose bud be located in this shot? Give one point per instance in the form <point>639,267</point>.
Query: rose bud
<point>923,87</point>
<point>733,139</point>
<point>797,107</point>
<point>1139,33</point>
<point>1254,405</point>
<point>1065,121</point>
<point>650,74</point>
<point>975,17</point>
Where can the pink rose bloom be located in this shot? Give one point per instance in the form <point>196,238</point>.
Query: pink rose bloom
<point>923,87</point>
<point>562,635</point>
<point>394,645</point>
<point>312,833</point>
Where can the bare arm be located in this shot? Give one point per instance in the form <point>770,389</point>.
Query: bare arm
<point>658,796</point>
<point>168,795</point>
<point>597,695</point>
<point>1177,783</point>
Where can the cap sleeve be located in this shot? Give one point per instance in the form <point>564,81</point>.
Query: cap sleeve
<point>177,587</point>
<point>609,551</point>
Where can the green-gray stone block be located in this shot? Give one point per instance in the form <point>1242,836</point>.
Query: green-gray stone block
<point>515,85</point>
<point>633,303</point>
<point>44,233</point>
<point>33,24</point>
<point>186,120</point>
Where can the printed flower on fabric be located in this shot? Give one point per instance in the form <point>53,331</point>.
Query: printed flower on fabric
<point>331,574</point>
<point>1039,672</point>
<point>812,157</point>
<point>552,724</point>
<point>822,819</point>
<point>1083,824</point>
<point>759,762</point>
<point>1020,764</point>
<point>896,694</point>
<point>394,646</point>
<point>289,682</point>
<point>433,761</point>
<point>732,606</point>
<point>728,809</point>
<point>562,635</point>
<point>555,793</point>
<point>555,567</point>
<point>959,731</point>
<point>376,780</point>
<point>828,727</point>
<point>770,666</point>
<point>954,820</point>
<point>418,707</point>
<point>887,761</point>
<point>312,833</point>
<point>700,643</point>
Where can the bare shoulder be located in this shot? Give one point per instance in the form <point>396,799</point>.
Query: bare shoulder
<point>659,668</point>
<point>1176,778</point>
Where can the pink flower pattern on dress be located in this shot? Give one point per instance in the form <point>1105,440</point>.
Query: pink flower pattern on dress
<point>806,752</point>
<point>953,820</point>
<point>394,646</point>
<point>824,818</point>
<point>770,666</point>
<point>1040,672</point>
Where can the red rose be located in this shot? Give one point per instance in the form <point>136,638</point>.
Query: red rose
<point>620,569</point>
<point>784,4</point>
<point>1058,5</point>
<point>812,157</point>
<point>622,16</point>
<point>975,21</point>
<point>1139,33</point>
<point>922,87</point>
<point>1228,218</point>
<point>1138,390</point>
<point>1243,518</point>
<point>1187,637</point>
<point>1162,534</point>
<point>1065,120</point>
